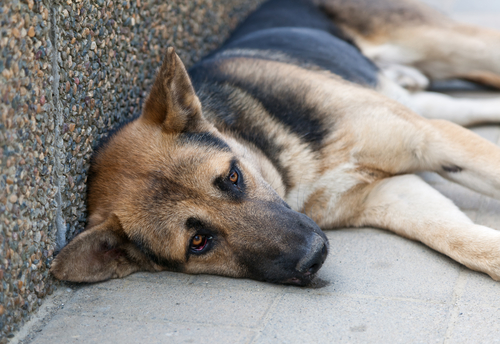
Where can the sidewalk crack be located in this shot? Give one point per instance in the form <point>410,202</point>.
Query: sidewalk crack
<point>458,292</point>
<point>266,316</point>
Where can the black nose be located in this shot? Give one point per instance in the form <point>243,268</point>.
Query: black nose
<point>315,258</point>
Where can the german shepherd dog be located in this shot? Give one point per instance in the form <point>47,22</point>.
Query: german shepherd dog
<point>302,121</point>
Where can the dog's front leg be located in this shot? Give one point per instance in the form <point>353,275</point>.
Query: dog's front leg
<point>399,142</point>
<point>409,207</point>
<point>461,156</point>
<point>461,111</point>
<point>408,32</point>
<point>432,105</point>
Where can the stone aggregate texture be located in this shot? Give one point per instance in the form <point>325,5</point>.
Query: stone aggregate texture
<point>28,182</point>
<point>70,71</point>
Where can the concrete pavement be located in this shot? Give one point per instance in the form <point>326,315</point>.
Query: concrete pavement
<point>378,287</point>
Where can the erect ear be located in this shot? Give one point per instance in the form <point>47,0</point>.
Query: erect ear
<point>99,253</point>
<point>172,102</point>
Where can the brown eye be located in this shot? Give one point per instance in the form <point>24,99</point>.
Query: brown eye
<point>199,243</point>
<point>197,240</point>
<point>233,177</point>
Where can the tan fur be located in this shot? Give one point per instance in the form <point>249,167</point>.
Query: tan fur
<point>487,78</point>
<point>377,138</point>
<point>377,19</point>
<point>146,184</point>
<point>413,209</point>
<point>103,253</point>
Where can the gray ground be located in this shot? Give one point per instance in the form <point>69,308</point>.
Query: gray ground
<point>381,288</point>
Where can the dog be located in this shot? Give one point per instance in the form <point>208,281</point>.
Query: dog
<point>311,116</point>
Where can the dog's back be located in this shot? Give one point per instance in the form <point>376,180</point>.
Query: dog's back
<point>294,32</point>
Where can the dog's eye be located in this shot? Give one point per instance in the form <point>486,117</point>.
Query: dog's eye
<point>199,243</point>
<point>233,177</point>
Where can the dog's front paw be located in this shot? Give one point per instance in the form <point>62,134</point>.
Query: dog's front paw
<point>487,257</point>
<point>406,77</point>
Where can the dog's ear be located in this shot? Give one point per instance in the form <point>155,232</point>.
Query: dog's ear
<point>99,253</point>
<point>172,102</point>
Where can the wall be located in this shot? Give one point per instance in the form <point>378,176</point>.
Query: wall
<point>69,72</point>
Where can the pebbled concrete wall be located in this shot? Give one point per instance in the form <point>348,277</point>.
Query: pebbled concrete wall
<point>69,72</point>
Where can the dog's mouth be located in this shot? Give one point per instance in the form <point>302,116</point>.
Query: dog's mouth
<point>298,281</point>
<point>313,282</point>
<point>303,281</point>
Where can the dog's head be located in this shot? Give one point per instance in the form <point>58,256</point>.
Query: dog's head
<point>170,192</point>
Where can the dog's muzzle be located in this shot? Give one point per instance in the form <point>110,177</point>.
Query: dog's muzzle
<point>307,267</point>
<point>315,258</point>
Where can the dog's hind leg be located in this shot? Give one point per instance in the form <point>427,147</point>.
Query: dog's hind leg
<point>409,207</point>
<point>410,33</point>
<point>441,51</point>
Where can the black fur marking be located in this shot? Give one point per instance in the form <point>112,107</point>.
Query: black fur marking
<point>236,118</point>
<point>204,139</point>
<point>300,30</point>
<point>234,192</point>
<point>163,189</point>
<point>310,46</point>
<point>288,107</point>
<point>142,245</point>
<point>197,225</point>
<point>452,169</point>
<point>287,13</point>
